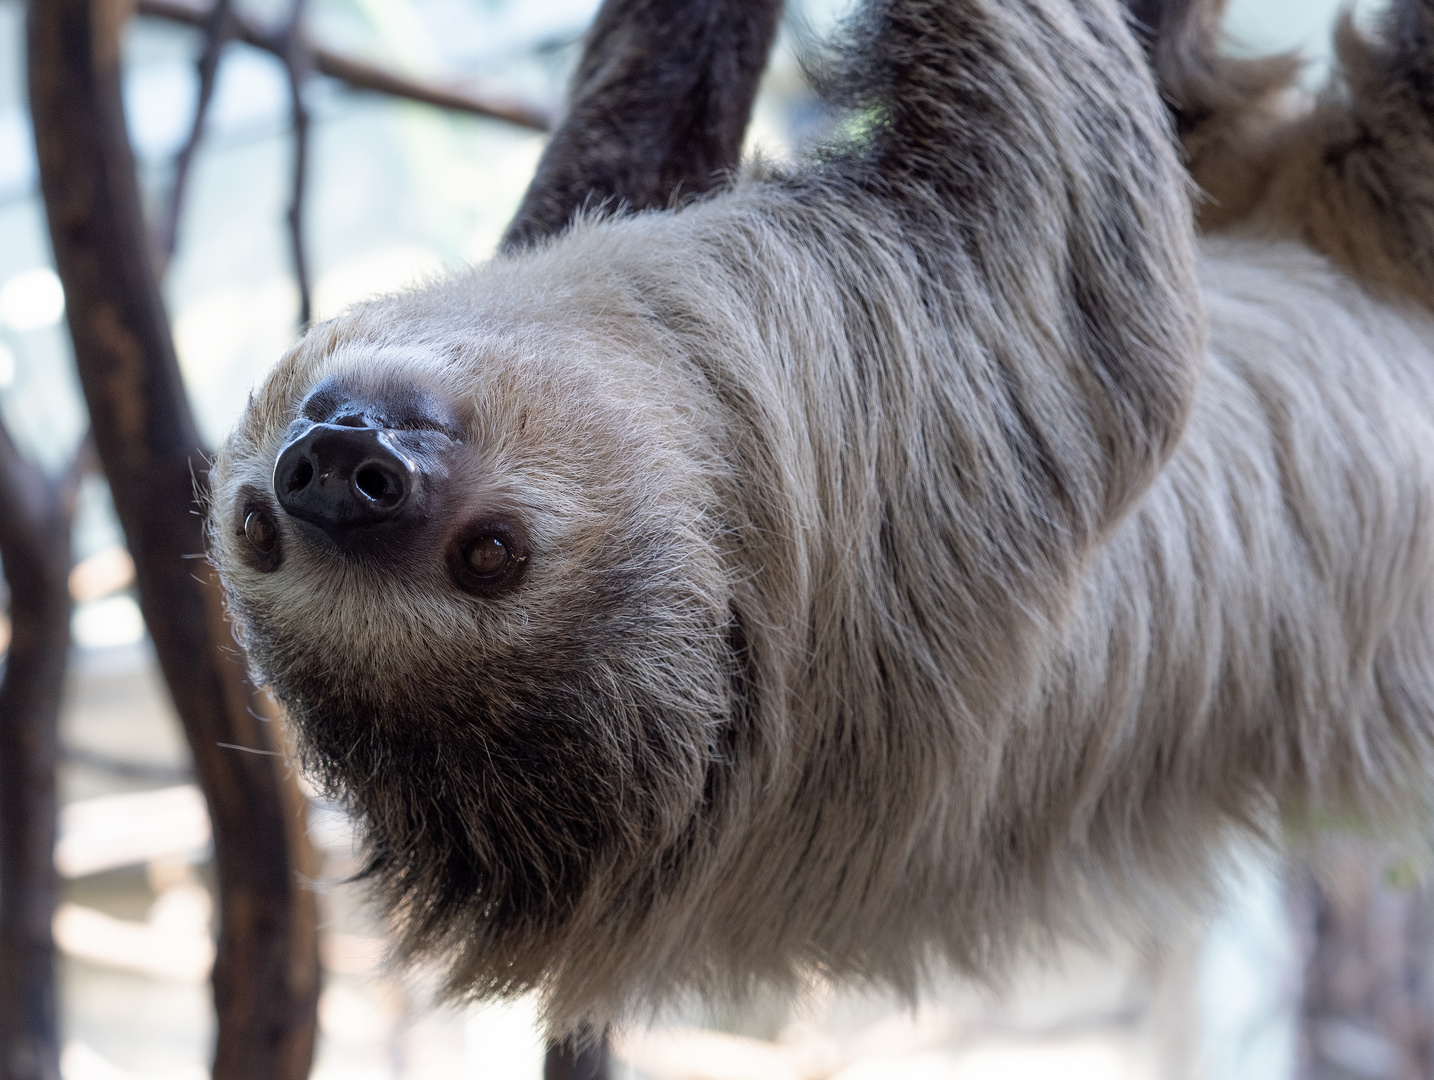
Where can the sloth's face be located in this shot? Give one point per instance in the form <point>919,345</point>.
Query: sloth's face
<point>480,573</point>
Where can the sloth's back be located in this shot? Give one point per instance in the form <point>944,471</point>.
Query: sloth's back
<point>1266,610</point>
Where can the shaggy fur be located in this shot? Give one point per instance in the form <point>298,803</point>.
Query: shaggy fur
<point>926,546</point>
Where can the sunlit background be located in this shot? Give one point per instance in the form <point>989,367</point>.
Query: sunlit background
<point>399,191</point>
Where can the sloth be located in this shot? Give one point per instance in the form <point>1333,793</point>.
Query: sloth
<point>884,561</point>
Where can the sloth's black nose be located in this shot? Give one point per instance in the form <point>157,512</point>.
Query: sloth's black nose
<point>341,477</point>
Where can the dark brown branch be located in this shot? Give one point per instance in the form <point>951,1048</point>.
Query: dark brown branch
<point>361,75</point>
<point>143,771</point>
<point>660,104</point>
<point>266,973</point>
<point>35,518</point>
<point>581,1059</point>
<point>365,76</point>
<point>218,29</point>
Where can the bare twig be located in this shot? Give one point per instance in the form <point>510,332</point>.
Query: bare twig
<point>298,63</point>
<point>365,76</point>
<point>35,517</point>
<point>266,975</point>
<point>362,75</point>
<point>218,28</point>
<point>144,771</point>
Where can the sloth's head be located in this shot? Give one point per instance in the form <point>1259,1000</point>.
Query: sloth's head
<point>475,553</point>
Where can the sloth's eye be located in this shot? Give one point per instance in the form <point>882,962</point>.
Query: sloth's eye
<point>489,558</point>
<point>486,556</point>
<point>259,530</point>
<point>263,547</point>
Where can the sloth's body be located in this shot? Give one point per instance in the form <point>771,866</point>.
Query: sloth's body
<point>858,568</point>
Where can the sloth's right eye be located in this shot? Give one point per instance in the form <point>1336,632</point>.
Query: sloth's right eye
<point>262,547</point>
<point>259,530</point>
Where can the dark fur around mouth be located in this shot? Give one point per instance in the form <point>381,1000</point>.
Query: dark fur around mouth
<point>487,808</point>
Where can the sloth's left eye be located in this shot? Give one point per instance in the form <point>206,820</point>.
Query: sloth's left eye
<point>486,556</point>
<point>489,559</point>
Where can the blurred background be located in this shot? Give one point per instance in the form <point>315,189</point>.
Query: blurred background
<point>398,190</point>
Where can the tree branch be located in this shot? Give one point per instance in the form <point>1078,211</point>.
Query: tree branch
<point>218,28</point>
<point>266,975</point>
<point>659,106</point>
<point>35,518</point>
<point>298,63</point>
<point>361,75</point>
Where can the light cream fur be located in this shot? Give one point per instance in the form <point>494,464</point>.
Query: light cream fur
<point>937,546</point>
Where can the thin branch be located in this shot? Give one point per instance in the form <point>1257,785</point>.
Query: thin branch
<point>660,104</point>
<point>298,64</point>
<point>218,28</point>
<point>365,76</point>
<point>362,75</point>
<point>145,771</point>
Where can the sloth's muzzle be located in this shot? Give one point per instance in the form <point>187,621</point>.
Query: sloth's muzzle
<point>341,478</point>
<point>354,471</point>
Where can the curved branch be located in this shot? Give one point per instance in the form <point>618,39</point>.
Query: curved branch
<point>659,108</point>
<point>298,63</point>
<point>660,104</point>
<point>35,517</point>
<point>218,29</point>
<point>266,974</point>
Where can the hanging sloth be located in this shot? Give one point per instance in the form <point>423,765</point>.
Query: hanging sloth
<point>874,562</point>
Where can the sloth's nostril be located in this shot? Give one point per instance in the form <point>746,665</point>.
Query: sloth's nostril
<point>343,478</point>
<point>299,478</point>
<point>373,482</point>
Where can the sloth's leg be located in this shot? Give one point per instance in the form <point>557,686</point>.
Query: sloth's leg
<point>1359,180</point>
<point>990,292</point>
<point>658,107</point>
<point>1227,110</point>
<point>1024,152</point>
